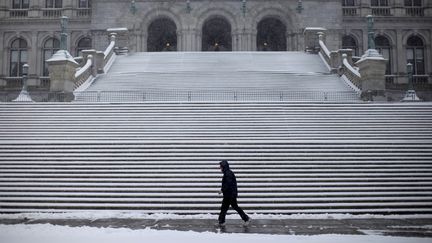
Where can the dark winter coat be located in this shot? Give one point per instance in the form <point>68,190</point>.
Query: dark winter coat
<point>229,182</point>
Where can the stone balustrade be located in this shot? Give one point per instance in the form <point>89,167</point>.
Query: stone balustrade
<point>366,74</point>
<point>67,75</point>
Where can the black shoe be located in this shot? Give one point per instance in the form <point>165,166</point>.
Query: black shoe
<point>247,222</point>
<point>220,224</point>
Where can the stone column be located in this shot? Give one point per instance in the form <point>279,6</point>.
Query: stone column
<point>372,71</point>
<point>62,69</point>
<point>180,41</point>
<point>3,52</point>
<point>401,58</point>
<point>34,64</point>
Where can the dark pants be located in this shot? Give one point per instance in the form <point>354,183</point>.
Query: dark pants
<point>226,202</point>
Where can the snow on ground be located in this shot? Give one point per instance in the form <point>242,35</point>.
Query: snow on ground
<point>45,233</point>
<point>159,216</point>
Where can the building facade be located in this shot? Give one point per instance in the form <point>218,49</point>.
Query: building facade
<point>30,29</point>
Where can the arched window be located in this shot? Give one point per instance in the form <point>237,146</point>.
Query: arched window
<point>415,54</point>
<point>348,42</point>
<point>384,48</point>
<point>216,35</point>
<point>162,35</point>
<point>20,4</point>
<point>54,3</point>
<point>271,35</point>
<point>50,47</point>
<point>84,3</point>
<point>18,57</point>
<point>83,44</point>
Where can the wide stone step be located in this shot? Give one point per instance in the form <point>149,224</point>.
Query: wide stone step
<point>153,157</point>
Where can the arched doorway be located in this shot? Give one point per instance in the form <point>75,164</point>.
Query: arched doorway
<point>271,35</point>
<point>162,35</point>
<point>216,35</point>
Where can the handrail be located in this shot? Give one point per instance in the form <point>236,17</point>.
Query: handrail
<point>324,47</point>
<point>109,52</point>
<point>351,73</point>
<point>84,73</point>
<point>350,68</point>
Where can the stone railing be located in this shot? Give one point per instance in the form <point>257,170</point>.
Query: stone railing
<point>84,73</point>
<point>381,11</point>
<point>350,11</point>
<point>52,12</point>
<point>350,72</point>
<point>109,51</point>
<point>49,13</point>
<point>67,75</point>
<point>83,12</point>
<point>18,13</point>
<point>330,57</point>
<point>393,10</point>
<point>366,76</point>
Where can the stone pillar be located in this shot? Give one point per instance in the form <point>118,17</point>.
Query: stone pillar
<point>68,8</point>
<point>180,40</point>
<point>3,9</point>
<point>372,71</point>
<point>122,40</point>
<point>93,54</point>
<point>311,43</point>
<point>34,64</point>
<point>428,8</point>
<point>401,58</point>
<point>3,52</point>
<point>62,68</point>
<point>98,60</point>
<point>348,53</point>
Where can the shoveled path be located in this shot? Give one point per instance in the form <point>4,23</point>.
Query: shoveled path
<point>407,227</point>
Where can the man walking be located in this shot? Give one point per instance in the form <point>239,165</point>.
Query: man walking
<point>229,190</point>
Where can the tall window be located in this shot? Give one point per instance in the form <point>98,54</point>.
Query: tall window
<point>50,47</point>
<point>20,4</point>
<point>379,3</point>
<point>415,54</point>
<point>54,3</point>
<point>347,3</point>
<point>18,57</point>
<point>84,3</point>
<point>413,3</point>
<point>384,48</point>
<point>83,44</point>
<point>348,42</point>
<point>414,8</point>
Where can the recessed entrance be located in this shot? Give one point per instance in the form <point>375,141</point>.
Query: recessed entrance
<point>271,35</point>
<point>162,35</point>
<point>216,35</point>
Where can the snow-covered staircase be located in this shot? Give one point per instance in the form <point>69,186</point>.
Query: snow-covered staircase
<point>163,157</point>
<point>218,76</point>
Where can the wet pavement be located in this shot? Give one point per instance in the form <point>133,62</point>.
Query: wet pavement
<point>410,227</point>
